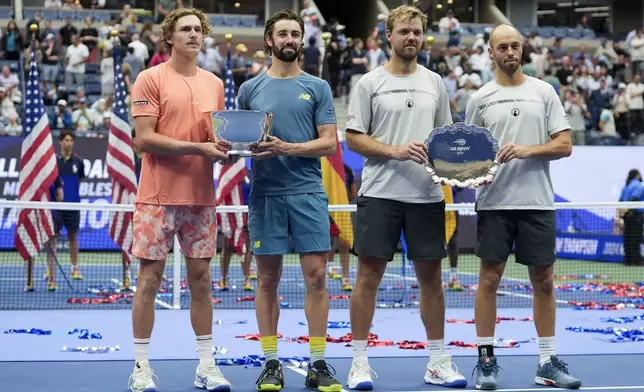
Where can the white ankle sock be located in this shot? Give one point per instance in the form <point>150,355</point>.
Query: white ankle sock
<point>453,273</point>
<point>141,347</point>
<point>204,345</point>
<point>546,349</point>
<point>359,349</point>
<point>436,349</point>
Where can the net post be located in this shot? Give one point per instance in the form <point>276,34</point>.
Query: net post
<point>176,275</point>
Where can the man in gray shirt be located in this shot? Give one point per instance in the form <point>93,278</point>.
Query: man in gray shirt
<point>527,118</point>
<point>392,110</point>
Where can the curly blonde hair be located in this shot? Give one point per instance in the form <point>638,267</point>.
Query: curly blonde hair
<point>170,22</point>
<point>405,13</point>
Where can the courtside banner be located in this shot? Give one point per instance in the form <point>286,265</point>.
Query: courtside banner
<point>95,188</point>
<point>606,248</point>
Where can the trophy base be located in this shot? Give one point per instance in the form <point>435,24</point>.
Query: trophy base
<point>241,153</point>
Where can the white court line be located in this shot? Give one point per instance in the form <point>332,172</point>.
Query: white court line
<point>303,373</point>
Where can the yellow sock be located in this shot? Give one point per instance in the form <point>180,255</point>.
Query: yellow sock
<point>269,345</point>
<point>317,345</point>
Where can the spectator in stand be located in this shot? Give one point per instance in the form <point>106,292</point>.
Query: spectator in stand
<point>62,118</point>
<point>50,63</point>
<point>167,6</point>
<point>160,57</point>
<point>89,34</point>
<point>637,52</point>
<point>209,58</point>
<point>44,33</point>
<point>634,92</point>
<point>67,32</point>
<point>12,43</point>
<point>599,99</point>
<point>607,122</point>
<point>150,39</point>
<point>76,57</point>
<point>377,56</point>
<point>459,101</point>
<point>10,82</point>
<point>566,71</point>
<point>620,111</point>
<point>576,111</point>
<point>558,51</point>
<point>83,118</point>
<point>134,62</point>
<point>140,49</point>
<point>107,72</point>
<point>312,58</point>
<point>379,33</point>
<point>35,20</point>
<point>53,4</point>
<point>606,54</point>
<point>13,128</point>
<point>259,65</point>
<point>448,23</point>
<point>6,104</point>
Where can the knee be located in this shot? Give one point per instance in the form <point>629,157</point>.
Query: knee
<point>200,283</point>
<point>316,279</point>
<point>370,275</point>
<point>149,281</point>
<point>489,280</point>
<point>268,281</point>
<point>543,284</point>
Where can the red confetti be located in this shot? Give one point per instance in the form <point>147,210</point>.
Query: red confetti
<point>412,345</point>
<point>254,336</point>
<point>109,299</point>
<point>339,296</point>
<point>216,300</point>
<point>247,298</point>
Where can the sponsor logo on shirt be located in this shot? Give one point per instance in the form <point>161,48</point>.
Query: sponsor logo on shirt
<point>351,116</point>
<point>143,102</point>
<point>304,96</point>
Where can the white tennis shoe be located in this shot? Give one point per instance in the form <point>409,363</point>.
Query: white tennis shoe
<point>443,372</point>
<point>210,378</point>
<point>360,375</point>
<point>143,379</point>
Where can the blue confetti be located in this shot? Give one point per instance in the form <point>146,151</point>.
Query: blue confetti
<point>258,361</point>
<point>333,324</point>
<point>84,334</point>
<point>621,335</point>
<point>91,350</point>
<point>622,320</point>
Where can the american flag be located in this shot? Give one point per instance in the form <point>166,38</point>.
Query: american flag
<point>120,162</point>
<point>38,169</point>
<point>231,177</point>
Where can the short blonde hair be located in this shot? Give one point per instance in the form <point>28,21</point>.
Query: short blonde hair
<point>170,23</point>
<point>405,13</point>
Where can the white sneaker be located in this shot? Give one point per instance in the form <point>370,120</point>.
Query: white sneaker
<point>443,372</point>
<point>210,378</point>
<point>360,375</point>
<point>143,379</point>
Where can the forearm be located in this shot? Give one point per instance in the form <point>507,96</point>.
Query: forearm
<point>154,143</point>
<point>368,147</point>
<point>320,147</point>
<point>554,149</point>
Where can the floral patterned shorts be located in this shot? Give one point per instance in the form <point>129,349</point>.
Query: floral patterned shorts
<point>155,227</point>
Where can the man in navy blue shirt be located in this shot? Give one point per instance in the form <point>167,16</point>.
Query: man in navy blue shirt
<point>71,170</point>
<point>633,219</point>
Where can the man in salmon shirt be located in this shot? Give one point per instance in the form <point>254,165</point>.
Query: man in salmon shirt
<point>171,104</point>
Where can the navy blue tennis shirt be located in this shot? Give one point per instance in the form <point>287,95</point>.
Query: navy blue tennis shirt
<point>71,171</point>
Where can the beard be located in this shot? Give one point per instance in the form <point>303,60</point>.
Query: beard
<point>511,67</point>
<point>406,53</point>
<point>290,56</point>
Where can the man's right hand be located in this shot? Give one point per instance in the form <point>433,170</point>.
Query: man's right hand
<point>414,151</point>
<point>213,151</point>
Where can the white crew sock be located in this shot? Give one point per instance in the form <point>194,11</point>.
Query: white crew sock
<point>453,273</point>
<point>141,347</point>
<point>436,349</point>
<point>204,345</point>
<point>359,349</point>
<point>546,349</point>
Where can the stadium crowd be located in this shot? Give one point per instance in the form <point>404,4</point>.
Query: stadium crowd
<point>601,89</point>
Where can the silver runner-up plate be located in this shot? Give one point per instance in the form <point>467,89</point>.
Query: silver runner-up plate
<point>462,155</point>
<point>241,128</point>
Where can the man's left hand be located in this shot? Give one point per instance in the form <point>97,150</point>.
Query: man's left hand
<point>270,148</point>
<point>512,151</point>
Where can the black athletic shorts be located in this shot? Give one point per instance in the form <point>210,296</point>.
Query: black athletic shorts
<point>531,232</point>
<point>69,219</point>
<point>380,222</point>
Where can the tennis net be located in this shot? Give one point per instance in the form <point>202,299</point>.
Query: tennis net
<point>590,271</point>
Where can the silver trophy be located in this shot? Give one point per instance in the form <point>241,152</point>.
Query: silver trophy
<point>462,155</point>
<point>241,128</point>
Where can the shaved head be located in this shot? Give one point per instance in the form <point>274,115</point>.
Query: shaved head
<point>504,32</point>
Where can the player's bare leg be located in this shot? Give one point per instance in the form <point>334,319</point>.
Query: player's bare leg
<point>30,274</point>
<point>269,272</point>
<point>224,263</point>
<point>248,257</point>
<point>343,249</point>
<point>200,286</point>
<point>51,251</point>
<point>73,253</point>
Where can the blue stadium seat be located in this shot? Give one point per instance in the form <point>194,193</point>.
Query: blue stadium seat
<point>589,34</point>
<point>232,20</point>
<point>248,20</point>
<point>6,13</point>
<point>92,77</point>
<point>92,88</point>
<point>49,14</point>
<point>29,13</point>
<point>545,32</point>
<point>82,14</point>
<point>92,68</point>
<point>13,65</point>
<point>574,34</point>
<point>101,16</point>
<point>217,20</point>
<point>62,14</point>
